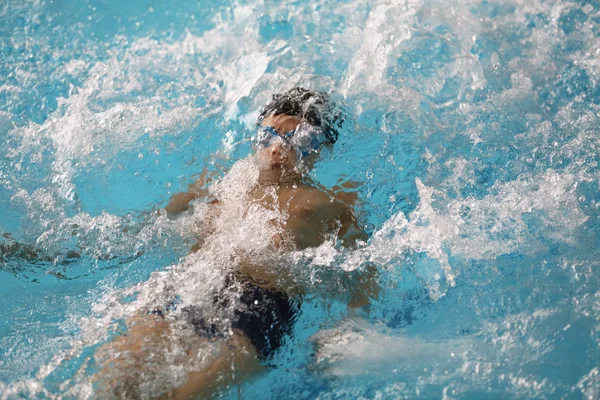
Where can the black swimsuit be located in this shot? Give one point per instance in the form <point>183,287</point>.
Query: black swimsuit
<point>265,316</point>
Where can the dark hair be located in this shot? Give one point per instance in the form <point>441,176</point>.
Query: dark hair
<point>316,108</point>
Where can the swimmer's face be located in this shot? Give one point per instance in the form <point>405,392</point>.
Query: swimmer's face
<point>279,154</point>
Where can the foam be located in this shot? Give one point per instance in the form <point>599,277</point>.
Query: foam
<point>501,74</point>
<point>379,36</point>
<point>477,229</point>
<point>356,348</point>
<point>589,385</point>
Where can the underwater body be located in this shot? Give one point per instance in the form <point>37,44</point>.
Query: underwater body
<point>472,136</point>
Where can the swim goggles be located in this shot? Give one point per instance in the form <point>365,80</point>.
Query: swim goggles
<point>305,139</point>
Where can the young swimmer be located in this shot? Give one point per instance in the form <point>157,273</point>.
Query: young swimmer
<point>292,129</point>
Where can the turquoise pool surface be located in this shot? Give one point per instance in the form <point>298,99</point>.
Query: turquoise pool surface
<point>473,134</point>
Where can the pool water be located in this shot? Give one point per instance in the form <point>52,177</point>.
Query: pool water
<point>473,134</point>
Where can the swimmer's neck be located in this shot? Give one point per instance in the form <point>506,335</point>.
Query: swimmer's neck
<point>279,176</point>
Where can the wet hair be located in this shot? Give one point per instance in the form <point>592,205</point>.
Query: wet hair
<point>316,108</point>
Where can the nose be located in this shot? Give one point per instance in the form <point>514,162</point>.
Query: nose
<point>277,151</point>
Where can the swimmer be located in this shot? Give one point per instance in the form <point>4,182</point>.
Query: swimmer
<point>291,130</point>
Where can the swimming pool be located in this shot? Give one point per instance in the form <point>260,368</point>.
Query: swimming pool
<point>473,131</point>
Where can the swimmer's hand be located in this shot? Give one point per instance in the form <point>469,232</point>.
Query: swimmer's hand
<point>179,203</point>
<point>346,191</point>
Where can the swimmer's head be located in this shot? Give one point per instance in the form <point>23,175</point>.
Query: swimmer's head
<point>302,119</point>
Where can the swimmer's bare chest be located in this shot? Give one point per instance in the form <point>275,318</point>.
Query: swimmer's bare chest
<point>309,215</point>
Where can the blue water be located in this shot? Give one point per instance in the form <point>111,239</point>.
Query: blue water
<point>473,132</point>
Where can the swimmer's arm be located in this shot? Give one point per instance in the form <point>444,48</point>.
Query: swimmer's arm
<point>11,249</point>
<point>20,252</point>
<point>350,233</point>
<point>345,192</point>
<point>356,288</point>
<point>180,202</point>
<point>363,284</point>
